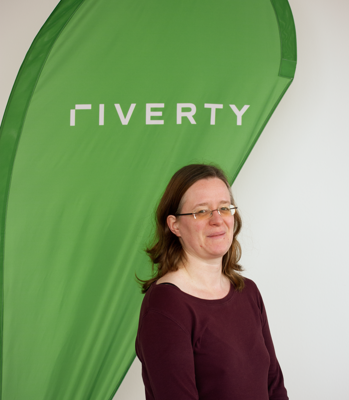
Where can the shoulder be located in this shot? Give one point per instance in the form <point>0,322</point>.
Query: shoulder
<point>167,302</point>
<point>165,298</point>
<point>252,293</point>
<point>250,286</point>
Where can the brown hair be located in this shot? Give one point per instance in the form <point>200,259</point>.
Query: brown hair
<point>167,253</point>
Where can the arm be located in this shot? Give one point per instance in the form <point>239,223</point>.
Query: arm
<point>165,350</point>
<point>276,386</point>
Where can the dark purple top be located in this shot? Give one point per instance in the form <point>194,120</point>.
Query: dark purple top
<point>192,348</point>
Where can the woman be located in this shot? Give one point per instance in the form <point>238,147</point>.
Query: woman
<point>203,331</point>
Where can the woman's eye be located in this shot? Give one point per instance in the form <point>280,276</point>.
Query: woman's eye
<point>201,212</point>
<point>224,209</point>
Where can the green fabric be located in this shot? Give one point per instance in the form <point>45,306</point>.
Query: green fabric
<point>287,31</point>
<point>78,190</point>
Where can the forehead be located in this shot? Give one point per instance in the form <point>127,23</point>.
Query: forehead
<point>211,190</point>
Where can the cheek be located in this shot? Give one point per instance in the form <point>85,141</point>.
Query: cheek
<point>189,230</point>
<point>193,233</point>
<point>231,226</point>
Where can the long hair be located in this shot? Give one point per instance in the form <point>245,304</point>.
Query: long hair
<point>166,252</point>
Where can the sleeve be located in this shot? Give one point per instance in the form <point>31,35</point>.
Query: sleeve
<point>276,387</point>
<point>165,350</point>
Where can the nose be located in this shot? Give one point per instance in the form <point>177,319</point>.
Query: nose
<point>216,217</point>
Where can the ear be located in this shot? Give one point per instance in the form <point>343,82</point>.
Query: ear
<point>172,223</point>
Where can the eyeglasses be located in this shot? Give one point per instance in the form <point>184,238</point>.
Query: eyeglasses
<point>206,214</point>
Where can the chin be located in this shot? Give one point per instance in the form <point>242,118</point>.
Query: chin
<point>219,252</point>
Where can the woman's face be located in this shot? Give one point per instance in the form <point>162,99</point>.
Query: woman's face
<point>210,238</point>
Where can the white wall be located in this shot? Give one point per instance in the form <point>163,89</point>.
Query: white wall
<point>292,192</point>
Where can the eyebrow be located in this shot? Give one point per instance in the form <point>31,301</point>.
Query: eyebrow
<point>206,204</point>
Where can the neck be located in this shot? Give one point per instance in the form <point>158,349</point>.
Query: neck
<point>204,274</point>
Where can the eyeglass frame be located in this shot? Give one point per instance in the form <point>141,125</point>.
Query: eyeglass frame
<point>231,207</point>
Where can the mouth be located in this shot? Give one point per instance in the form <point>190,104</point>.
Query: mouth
<point>216,235</point>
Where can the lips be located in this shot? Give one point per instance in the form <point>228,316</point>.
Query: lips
<point>216,235</point>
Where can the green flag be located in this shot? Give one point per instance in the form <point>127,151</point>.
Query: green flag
<point>112,98</point>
